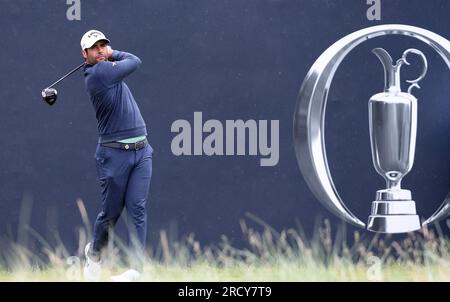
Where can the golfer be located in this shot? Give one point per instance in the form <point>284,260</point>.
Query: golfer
<point>123,154</point>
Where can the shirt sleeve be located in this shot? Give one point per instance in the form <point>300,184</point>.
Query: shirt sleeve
<point>124,64</point>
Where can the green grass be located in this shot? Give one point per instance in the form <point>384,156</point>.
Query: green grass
<point>282,271</point>
<point>268,255</point>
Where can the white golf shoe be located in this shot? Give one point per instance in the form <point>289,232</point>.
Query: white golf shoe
<point>130,275</point>
<point>92,269</point>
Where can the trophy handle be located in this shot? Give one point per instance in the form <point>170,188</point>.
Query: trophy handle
<point>415,83</point>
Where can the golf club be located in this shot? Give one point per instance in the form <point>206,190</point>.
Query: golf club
<point>50,94</point>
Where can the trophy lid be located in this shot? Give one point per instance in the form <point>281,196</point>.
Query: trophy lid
<point>392,82</point>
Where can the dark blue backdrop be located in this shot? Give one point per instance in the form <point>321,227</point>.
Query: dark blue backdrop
<point>230,59</point>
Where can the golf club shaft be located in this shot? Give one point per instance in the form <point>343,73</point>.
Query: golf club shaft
<point>68,74</point>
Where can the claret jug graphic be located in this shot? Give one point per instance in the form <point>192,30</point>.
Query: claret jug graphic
<point>393,127</point>
<point>392,116</point>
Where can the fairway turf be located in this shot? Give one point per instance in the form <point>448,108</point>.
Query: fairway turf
<point>269,256</point>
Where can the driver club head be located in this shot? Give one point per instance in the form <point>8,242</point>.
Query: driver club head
<point>50,95</point>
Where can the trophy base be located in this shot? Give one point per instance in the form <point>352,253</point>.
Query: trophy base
<point>393,223</point>
<point>393,216</point>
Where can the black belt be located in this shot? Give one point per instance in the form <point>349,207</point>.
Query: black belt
<point>131,146</point>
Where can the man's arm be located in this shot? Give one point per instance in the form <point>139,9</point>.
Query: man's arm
<point>120,65</point>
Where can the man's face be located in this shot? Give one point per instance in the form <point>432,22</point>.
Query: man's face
<point>97,53</point>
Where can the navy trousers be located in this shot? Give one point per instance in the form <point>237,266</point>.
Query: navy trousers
<point>124,177</point>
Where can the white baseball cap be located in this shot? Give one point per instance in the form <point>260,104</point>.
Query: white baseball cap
<point>91,37</point>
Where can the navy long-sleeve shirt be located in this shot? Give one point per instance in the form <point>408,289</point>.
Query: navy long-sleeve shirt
<point>117,113</point>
